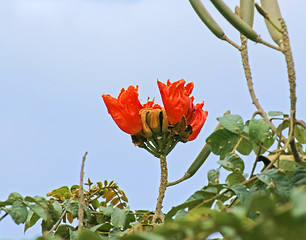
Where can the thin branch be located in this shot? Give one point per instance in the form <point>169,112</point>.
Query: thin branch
<point>260,40</point>
<point>3,216</point>
<point>301,122</point>
<point>292,84</point>
<point>248,76</point>
<point>255,163</point>
<point>81,195</point>
<point>294,150</point>
<point>60,219</point>
<point>162,189</point>
<point>212,198</point>
<point>225,38</point>
<point>185,177</point>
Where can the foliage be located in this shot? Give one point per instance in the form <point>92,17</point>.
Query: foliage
<point>266,203</point>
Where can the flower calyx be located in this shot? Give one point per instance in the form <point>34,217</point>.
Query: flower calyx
<point>157,136</point>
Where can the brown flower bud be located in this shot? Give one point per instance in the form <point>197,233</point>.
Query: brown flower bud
<point>146,131</point>
<point>165,122</point>
<point>154,120</point>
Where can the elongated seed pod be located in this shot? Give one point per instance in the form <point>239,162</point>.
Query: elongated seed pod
<point>207,18</point>
<point>200,159</point>
<point>235,20</point>
<point>247,11</point>
<point>202,156</point>
<point>274,14</point>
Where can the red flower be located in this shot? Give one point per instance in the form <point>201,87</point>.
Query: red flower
<point>176,99</point>
<point>198,120</point>
<point>143,120</point>
<point>125,109</point>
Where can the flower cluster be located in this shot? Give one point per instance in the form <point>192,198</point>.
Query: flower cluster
<point>155,128</point>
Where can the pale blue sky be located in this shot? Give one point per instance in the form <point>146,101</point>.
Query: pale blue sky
<point>58,57</point>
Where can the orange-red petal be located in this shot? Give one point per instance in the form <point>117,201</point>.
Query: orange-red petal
<point>198,121</point>
<point>125,109</point>
<point>151,104</point>
<point>176,99</point>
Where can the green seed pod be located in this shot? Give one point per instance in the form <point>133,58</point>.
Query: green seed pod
<point>235,20</point>
<point>271,7</point>
<point>207,18</point>
<point>247,11</point>
<point>202,156</point>
<point>200,159</point>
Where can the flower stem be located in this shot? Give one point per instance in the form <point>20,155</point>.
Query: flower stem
<point>173,144</point>
<point>162,188</point>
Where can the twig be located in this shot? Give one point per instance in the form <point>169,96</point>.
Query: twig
<point>260,40</point>
<point>294,150</point>
<point>185,177</point>
<point>291,78</point>
<point>248,76</point>
<point>225,38</point>
<point>302,123</point>
<point>60,219</point>
<point>255,163</point>
<point>212,198</point>
<point>162,189</point>
<point>3,216</point>
<point>81,195</point>
<point>232,203</point>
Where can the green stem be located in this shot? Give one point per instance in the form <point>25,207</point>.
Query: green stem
<point>150,146</point>
<point>162,189</point>
<point>173,144</point>
<point>150,151</point>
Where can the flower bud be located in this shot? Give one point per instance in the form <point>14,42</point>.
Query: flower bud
<point>146,131</point>
<point>165,122</point>
<point>154,120</point>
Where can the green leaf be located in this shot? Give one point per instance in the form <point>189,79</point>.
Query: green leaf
<point>32,218</point>
<point>298,177</point>
<point>103,227</point>
<point>12,198</point>
<point>87,234</point>
<point>286,164</point>
<point>195,199</point>
<point>258,130</point>
<point>40,211</point>
<point>87,212</point>
<point>118,217</point>
<point>234,178</point>
<point>107,211</point>
<point>233,123</point>
<point>63,231</point>
<point>191,202</point>
<point>275,113</point>
<point>74,209</point>
<point>18,212</point>
<point>232,162</point>
<point>242,193</point>
<point>282,126</point>
<point>245,147</point>
<point>95,203</point>
<point>40,206</point>
<point>298,199</point>
<point>300,134</point>
<point>266,144</point>
<point>57,209</point>
<point>260,202</point>
<point>144,236</point>
<point>62,192</point>
<point>222,141</point>
<point>274,179</point>
<point>213,175</point>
